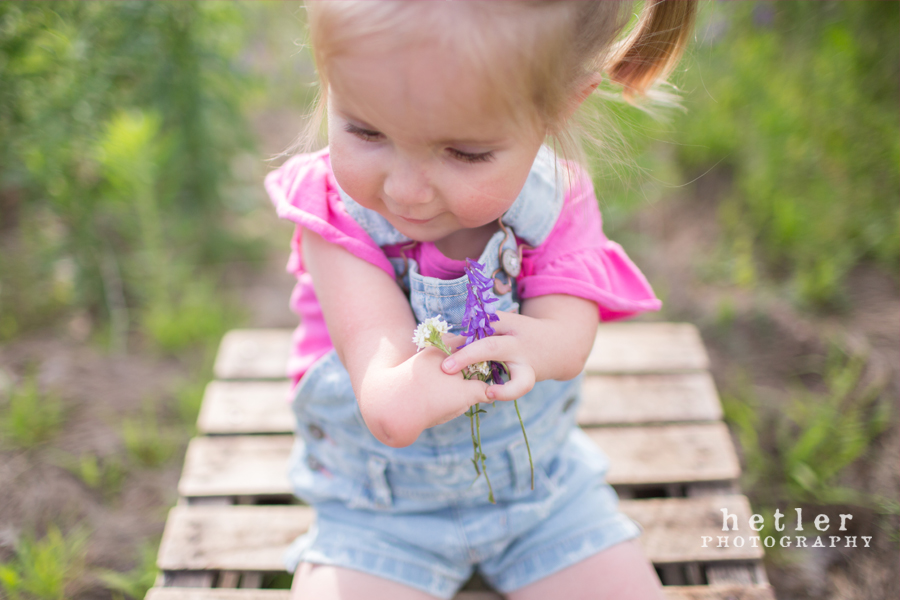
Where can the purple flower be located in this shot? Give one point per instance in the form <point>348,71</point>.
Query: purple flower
<point>480,313</point>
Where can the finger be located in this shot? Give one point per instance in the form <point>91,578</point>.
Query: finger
<point>521,381</point>
<point>490,348</point>
<point>443,408</point>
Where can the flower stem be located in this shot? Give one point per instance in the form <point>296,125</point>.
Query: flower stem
<point>471,414</point>
<point>527,447</point>
<point>481,454</point>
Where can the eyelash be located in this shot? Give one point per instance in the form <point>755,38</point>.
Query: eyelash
<point>367,135</point>
<point>471,158</point>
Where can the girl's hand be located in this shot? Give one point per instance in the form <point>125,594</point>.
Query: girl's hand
<point>550,340</point>
<point>400,392</point>
<point>416,395</point>
<point>502,346</point>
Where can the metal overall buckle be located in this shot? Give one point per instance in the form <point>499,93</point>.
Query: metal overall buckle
<point>509,261</point>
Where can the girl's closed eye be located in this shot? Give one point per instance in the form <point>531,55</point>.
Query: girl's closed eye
<point>368,135</point>
<point>470,157</point>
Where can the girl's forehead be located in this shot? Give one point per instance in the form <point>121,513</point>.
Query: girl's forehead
<point>419,90</point>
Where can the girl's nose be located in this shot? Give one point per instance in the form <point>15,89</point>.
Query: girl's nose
<point>407,183</point>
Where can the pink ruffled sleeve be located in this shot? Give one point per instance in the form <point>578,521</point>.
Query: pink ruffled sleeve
<point>303,190</point>
<point>578,260</point>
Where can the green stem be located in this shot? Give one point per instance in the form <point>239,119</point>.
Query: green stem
<point>527,447</point>
<point>470,414</point>
<point>481,454</point>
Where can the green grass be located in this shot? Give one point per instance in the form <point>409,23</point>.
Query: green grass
<point>199,316</point>
<point>44,569</point>
<point>188,397</point>
<point>104,475</point>
<point>30,417</point>
<point>800,452</point>
<point>134,583</point>
<point>796,102</point>
<point>145,442</point>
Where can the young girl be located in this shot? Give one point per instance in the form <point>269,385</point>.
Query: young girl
<point>437,114</point>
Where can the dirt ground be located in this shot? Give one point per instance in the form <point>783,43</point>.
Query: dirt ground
<point>768,338</point>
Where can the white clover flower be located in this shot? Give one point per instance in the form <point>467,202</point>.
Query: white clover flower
<point>479,368</point>
<point>429,332</point>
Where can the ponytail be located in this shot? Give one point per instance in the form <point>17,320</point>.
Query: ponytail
<point>652,49</point>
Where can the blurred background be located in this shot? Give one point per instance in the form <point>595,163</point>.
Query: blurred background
<point>134,231</point>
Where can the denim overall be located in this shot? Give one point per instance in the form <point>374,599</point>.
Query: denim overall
<point>430,489</point>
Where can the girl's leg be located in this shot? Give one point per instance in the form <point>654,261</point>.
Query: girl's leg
<point>315,582</point>
<point>621,572</point>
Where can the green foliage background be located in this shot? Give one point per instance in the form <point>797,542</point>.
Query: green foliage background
<point>119,121</point>
<point>123,125</point>
<point>799,101</point>
<point>795,104</point>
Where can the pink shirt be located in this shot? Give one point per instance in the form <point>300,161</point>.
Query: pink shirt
<point>576,258</point>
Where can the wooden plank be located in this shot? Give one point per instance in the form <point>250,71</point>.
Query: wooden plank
<point>648,398</point>
<point>215,594</point>
<point>661,454</point>
<point>230,538</point>
<point>674,528</point>
<point>253,354</point>
<point>236,465</point>
<point>647,348</point>
<point>618,348</point>
<point>235,407</point>
<point>231,407</point>
<point>698,592</point>
<point>253,538</point>
<point>648,455</point>
<point>719,592</point>
<point>221,594</point>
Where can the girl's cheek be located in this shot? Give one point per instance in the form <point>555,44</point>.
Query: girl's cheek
<point>352,174</point>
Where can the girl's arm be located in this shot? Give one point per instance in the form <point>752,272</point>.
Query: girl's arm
<point>400,392</point>
<point>551,339</point>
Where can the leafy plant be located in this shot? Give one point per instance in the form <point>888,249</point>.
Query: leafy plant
<point>44,569</point>
<point>802,454</point>
<point>119,123</point>
<point>145,442</point>
<point>798,102</point>
<point>197,315</point>
<point>104,475</point>
<point>30,416</point>
<point>188,398</point>
<point>134,583</point>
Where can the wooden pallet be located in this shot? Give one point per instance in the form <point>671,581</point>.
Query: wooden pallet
<point>648,401</point>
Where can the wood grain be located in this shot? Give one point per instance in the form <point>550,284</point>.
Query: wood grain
<point>253,354</point>
<point>648,398</point>
<point>647,348</point>
<point>231,407</point>
<point>662,454</point>
<point>673,528</point>
<point>235,407</point>
<point>694,592</point>
<point>236,538</point>
<point>640,456</point>
<point>253,538</point>
<point>618,348</point>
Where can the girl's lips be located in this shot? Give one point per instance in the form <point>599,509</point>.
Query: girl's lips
<point>415,221</point>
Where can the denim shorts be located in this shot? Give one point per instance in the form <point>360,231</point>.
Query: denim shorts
<point>527,535</point>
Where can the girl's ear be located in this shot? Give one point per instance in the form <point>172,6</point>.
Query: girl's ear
<point>581,94</point>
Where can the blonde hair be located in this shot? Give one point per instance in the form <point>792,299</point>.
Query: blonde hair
<point>550,49</point>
